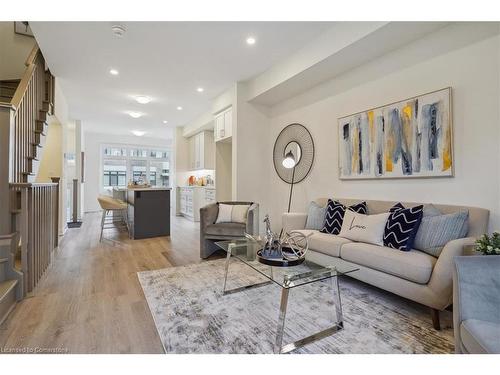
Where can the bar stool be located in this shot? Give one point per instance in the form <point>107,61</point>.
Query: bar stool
<point>116,206</point>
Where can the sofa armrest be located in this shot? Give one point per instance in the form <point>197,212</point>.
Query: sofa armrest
<point>294,221</point>
<point>208,215</point>
<point>441,282</point>
<point>253,219</point>
<point>477,283</point>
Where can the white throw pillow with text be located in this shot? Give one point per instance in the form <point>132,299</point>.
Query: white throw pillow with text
<point>364,228</point>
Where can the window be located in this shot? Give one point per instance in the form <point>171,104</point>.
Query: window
<point>138,169</point>
<point>159,171</point>
<point>138,153</point>
<point>114,173</point>
<point>159,154</point>
<point>115,151</point>
<point>122,164</point>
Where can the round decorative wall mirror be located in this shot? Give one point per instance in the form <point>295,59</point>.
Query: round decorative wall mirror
<point>293,153</point>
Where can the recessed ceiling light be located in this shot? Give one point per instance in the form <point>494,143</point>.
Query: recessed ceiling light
<point>179,108</point>
<point>165,121</point>
<point>138,133</point>
<point>135,114</point>
<point>251,40</point>
<point>114,72</point>
<point>200,89</point>
<point>141,99</point>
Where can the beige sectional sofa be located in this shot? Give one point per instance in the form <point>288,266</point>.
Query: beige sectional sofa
<point>413,274</point>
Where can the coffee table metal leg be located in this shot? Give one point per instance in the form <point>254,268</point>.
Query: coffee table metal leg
<point>228,258</point>
<point>236,290</point>
<point>336,301</point>
<point>281,320</point>
<point>337,326</point>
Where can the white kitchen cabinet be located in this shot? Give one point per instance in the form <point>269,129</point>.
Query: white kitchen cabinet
<point>210,196</point>
<point>192,156</point>
<point>201,151</point>
<point>223,125</point>
<point>192,198</point>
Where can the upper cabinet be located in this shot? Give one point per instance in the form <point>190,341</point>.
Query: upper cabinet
<point>223,125</point>
<point>201,151</point>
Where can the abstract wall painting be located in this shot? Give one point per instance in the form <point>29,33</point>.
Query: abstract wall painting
<point>410,138</point>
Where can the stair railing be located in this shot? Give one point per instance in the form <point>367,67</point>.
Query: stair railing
<point>36,224</point>
<point>32,212</point>
<point>29,116</point>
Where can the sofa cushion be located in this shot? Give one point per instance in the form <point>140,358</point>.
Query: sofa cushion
<point>335,215</point>
<point>411,265</point>
<point>437,230</point>
<point>364,228</point>
<point>315,216</point>
<point>402,226</point>
<point>232,213</point>
<point>239,213</point>
<point>324,242</point>
<point>226,229</point>
<point>479,336</point>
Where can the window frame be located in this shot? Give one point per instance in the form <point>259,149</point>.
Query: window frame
<point>128,159</point>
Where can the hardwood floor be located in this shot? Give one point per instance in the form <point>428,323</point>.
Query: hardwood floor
<point>90,300</point>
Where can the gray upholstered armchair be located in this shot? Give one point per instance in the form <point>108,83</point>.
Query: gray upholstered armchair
<point>476,304</point>
<point>211,232</point>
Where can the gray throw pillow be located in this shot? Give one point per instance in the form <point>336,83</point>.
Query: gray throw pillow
<point>431,210</point>
<point>315,216</point>
<point>436,231</point>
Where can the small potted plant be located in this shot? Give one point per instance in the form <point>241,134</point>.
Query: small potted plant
<point>489,245</point>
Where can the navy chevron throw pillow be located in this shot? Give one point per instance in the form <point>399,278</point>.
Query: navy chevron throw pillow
<point>402,226</point>
<point>335,215</point>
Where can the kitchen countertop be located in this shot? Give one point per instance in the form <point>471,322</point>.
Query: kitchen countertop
<point>196,186</point>
<point>153,188</point>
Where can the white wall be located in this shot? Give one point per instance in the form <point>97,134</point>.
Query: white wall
<point>93,168</point>
<point>251,157</point>
<point>52,156</point>
<point>473,73</point>
<point>51,163</point>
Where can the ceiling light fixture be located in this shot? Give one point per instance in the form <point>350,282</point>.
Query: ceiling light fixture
<point>135,114</point>
<point>165,121</point>
<point>141,99</point>
<point>251,40</point>
<point>138,133</point>
<point>114,72</point>
<point>200,89</point>
<point>179,108</point>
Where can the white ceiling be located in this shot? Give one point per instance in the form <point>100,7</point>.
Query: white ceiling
<point>164,60</point>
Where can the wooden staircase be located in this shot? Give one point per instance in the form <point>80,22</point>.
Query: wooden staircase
<point>7,89</point>
<point>28,210</point>
<point>10,279</point>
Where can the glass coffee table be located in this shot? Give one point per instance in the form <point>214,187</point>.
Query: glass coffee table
<point>287,278</point>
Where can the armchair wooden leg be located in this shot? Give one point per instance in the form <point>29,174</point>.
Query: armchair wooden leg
<point>435,319</point>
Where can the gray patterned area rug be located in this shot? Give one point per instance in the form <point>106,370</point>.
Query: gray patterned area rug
<point>192,315</point>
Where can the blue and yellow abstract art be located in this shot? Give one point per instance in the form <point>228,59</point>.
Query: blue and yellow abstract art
<point>410,138</point>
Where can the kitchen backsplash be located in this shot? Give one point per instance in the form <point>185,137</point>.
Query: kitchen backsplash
<point>205,177</point>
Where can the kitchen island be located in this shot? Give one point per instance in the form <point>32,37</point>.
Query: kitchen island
<point>148,211</point>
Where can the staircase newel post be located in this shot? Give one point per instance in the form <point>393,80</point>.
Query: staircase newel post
<point>6,164</point>
<point>56,180</point>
